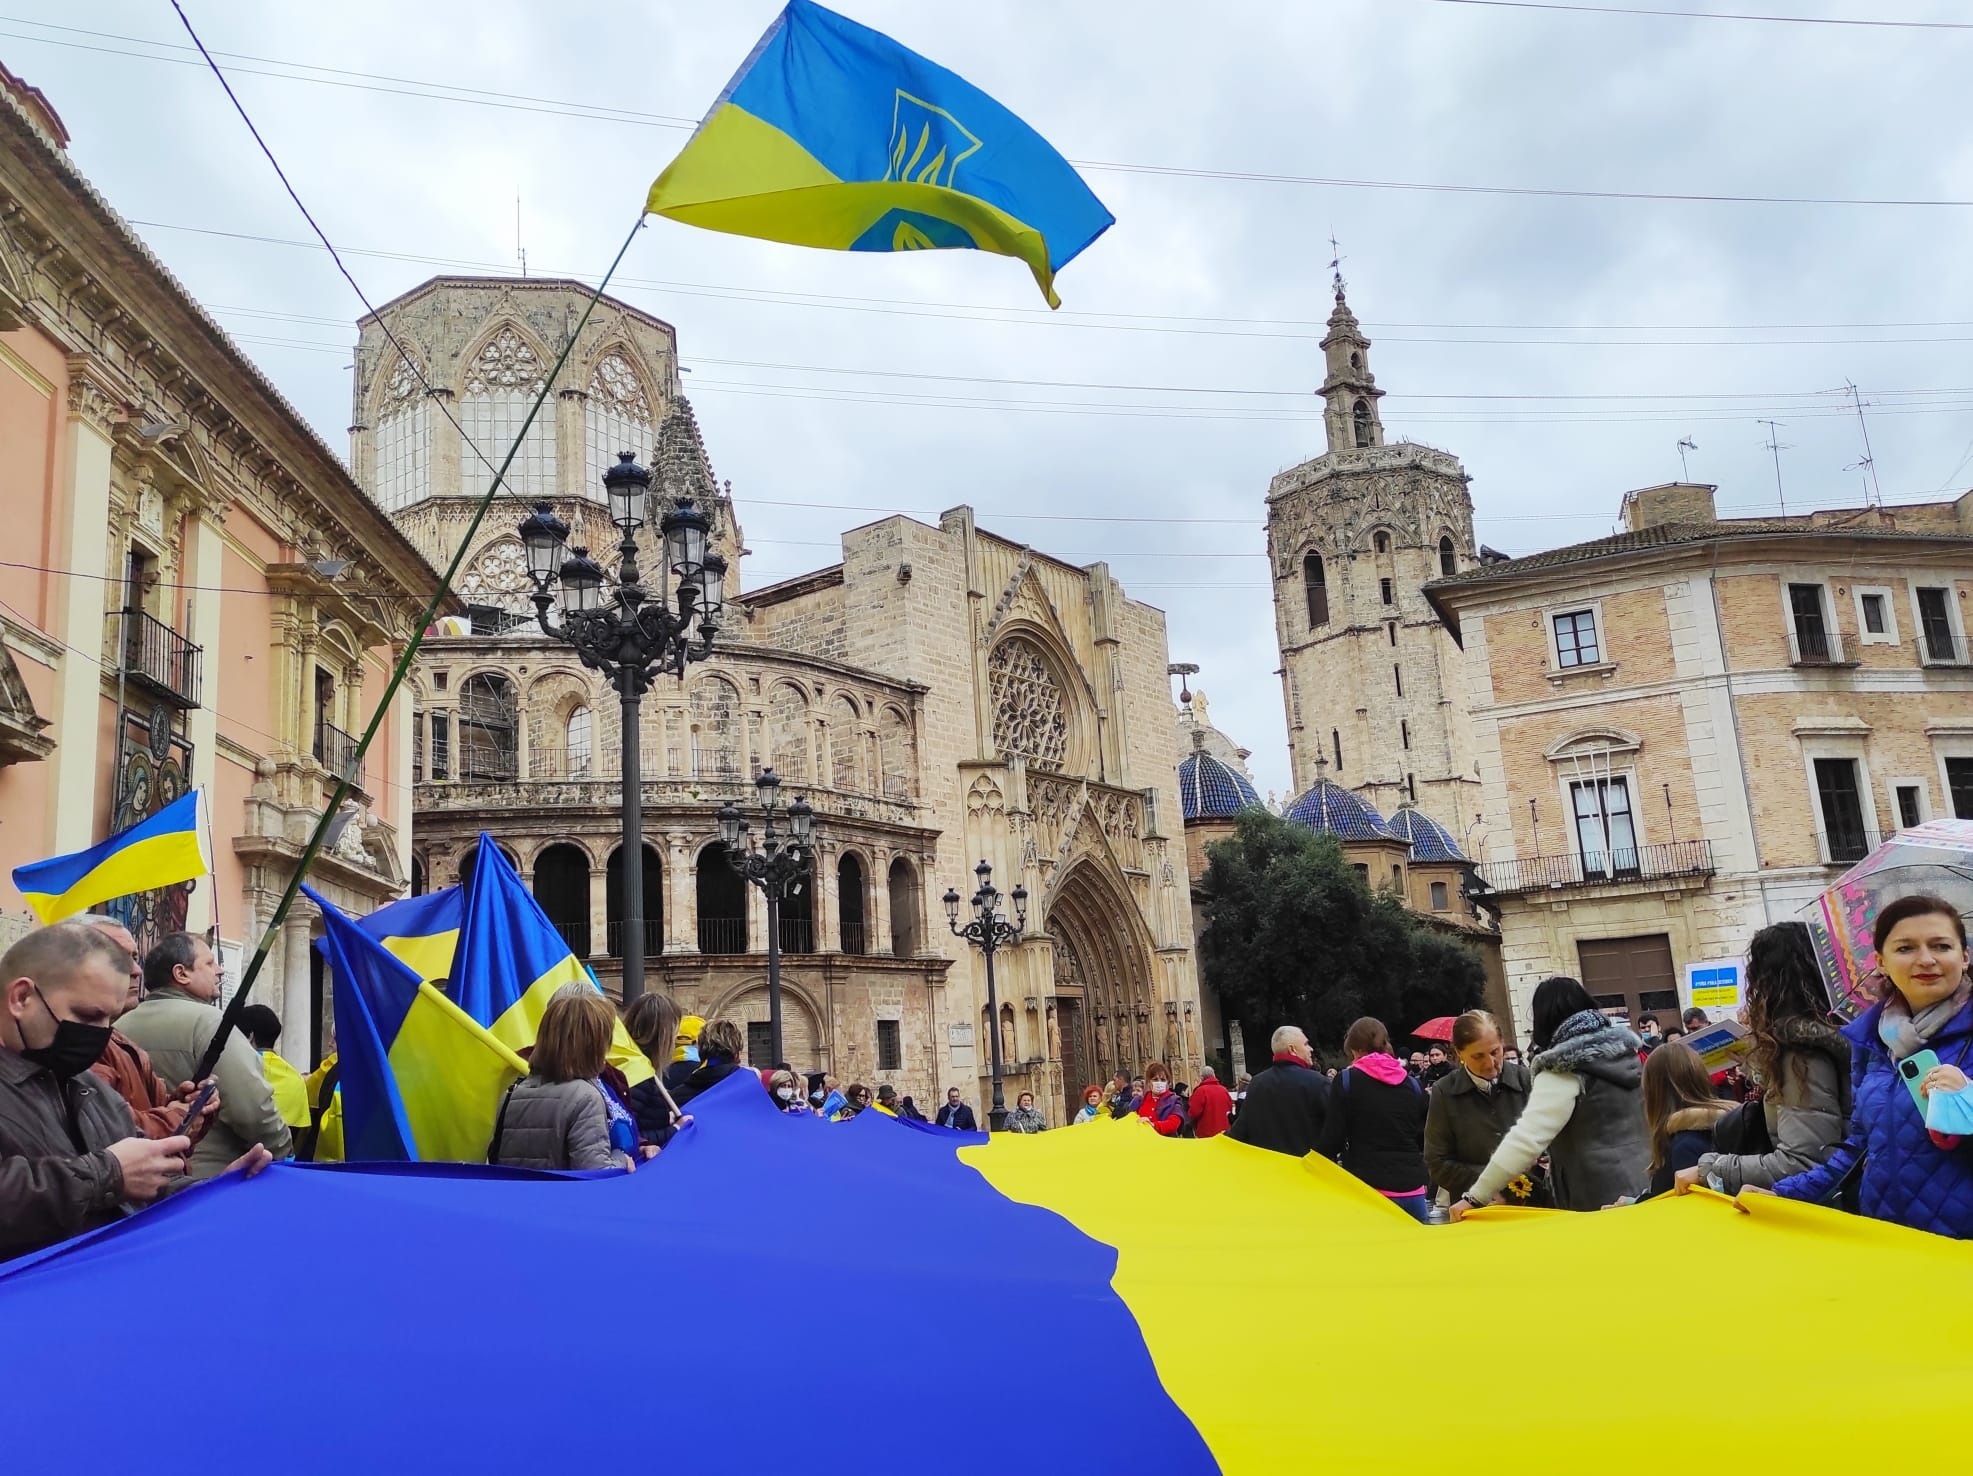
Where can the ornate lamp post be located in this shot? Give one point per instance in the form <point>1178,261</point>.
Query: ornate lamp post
<point>631,636</point>
<point>776,866</point>
<point>989,931</point>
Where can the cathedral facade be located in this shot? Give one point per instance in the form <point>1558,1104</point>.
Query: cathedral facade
<point>940,695</point>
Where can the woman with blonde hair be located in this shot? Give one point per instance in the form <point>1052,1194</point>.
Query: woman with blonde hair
<point>1472,1106</point>
<point>556,1117</point>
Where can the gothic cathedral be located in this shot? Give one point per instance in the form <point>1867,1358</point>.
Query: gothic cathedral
<point>1368,672</point>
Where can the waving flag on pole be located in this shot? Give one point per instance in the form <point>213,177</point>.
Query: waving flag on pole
<point>833,135</point>
<point>160,850</point>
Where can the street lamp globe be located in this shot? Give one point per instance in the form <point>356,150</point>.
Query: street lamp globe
<point>730,825</point>
<point>625,484</point>
<point>712,593</point>
<point>952,905</point>
<point>767,784</point>
<point>545,537</point>
<point>582,583</point>
<point>684,529</point>
<point>1020,895</point>
<point>801,821</point>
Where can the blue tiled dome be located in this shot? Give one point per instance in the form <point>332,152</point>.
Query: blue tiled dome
<point>1209,789</point>
<point>1430,841</point>
<point>1327,806</point>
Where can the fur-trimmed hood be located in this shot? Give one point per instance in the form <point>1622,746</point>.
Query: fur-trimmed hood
<point>1699,1119</point>
<point>1798,1033</point>
<point>1590,1041</point>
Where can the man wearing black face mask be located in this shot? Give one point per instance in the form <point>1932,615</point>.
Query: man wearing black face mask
<point>70,1156</point>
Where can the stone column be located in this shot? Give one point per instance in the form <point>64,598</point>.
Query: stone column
<point>79,611</point>
<point>879,934</point>
<point>296,1025</point>
<point>822,878</point>
<point>681,895</point>
<point>203,570</point>
<point>599,910</point>
<point>757,919</point>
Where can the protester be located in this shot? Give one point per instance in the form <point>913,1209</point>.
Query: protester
<point>857,1098</point>
<point>1124,1097</point>
<point>956,1114</point>
<point>262,1028</point>
<point>1695,1020</point>
<point>556,1117</point>
<point>70,1155</point>
<point>832,1100</point>
<point>1585,1109</point>
<point>1092,1106</point>
<point>1162,1107</point>
<point>1511,1056</point>
<point>1210,1107</point>
<point>1801,1060</point>
<point>1286,1102</point>
<point>786,1091</point>
<point>720,1047</point>
<point>1376,1121</point>
<point>1438,1066</point>
<point>1910,1176</point>
<point>158,1110</point>
<point>684,1052</point>
<point>1024,1118</point>
<point>908,1110</point>
<point>1416,1065</point>
<point>176,1023</point>
<point>1682,1110</point>
<point>1472,1108</point>
<point>652,1023</point>
<point>887,1100</point>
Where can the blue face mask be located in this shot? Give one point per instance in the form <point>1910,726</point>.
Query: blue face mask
<point>691,1054</point>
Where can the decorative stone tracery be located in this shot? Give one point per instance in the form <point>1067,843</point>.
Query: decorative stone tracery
<point>1030,717</point>
<point>507,362</point>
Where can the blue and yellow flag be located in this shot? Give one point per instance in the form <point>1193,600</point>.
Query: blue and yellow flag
<point>422,932</point>
<point>833,135</point>
<point>420,1080</point>
<point>159,851</point>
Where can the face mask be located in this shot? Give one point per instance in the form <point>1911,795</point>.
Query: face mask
<point>75,1048</point>
<point>1157,1088</point>
<point>691,1053</point>
<point>786,1094</point>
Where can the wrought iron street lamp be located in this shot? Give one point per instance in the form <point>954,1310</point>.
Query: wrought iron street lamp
<point>989,931</point>
<point>630,632</point>
<point>777,866</point>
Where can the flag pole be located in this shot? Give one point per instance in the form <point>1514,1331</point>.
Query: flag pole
<point>231,1015</point>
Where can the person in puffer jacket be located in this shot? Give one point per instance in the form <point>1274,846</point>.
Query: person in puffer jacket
<point>556,1116</point>
<point>1910,1176</point>
<point>1585,1109</point>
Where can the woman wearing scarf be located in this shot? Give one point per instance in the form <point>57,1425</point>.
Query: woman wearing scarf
<point>1473,1106</point>
<point>1162,1107</point>
<point>1910,1176</point>
<point>1093,1105</point>
<point>1376,1121</point>
<point>1024,1118</point>
<point>1585,1109</point>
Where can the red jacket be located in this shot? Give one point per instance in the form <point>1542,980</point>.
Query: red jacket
<point>1212,1109</point>
<point>126,1067</point>
<point>1166,1113</point>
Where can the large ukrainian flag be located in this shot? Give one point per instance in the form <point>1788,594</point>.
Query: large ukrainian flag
<point>421,1080</point>
<point>158,851</point>
<point>833,135</point>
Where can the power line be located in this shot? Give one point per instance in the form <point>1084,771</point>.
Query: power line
<point>1715,15</point>
<point>585,111</point>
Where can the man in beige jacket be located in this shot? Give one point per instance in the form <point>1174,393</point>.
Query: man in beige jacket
<point>175,1023</point>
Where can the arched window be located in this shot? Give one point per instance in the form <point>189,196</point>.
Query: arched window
<point>1030,717</point>
<point>500,388</point>
<point>561,887</point>
<point>616,418</point>
<point>845,741</point>
<point>849,904</point>
<point>798,916</point>
<point>722,903</point>
<point>653,894</point>
<point>579,736</point>
<point>897,755</point>
<point>787,732</point>
<point>1448,561</point>
<point>905,908</point>
<point>1360,417</point>
<point>470,855</point>
<point>1336,741</point>
<point>489,727</point>
<point>715,730</point>
<point>417,876</point>
<point>402,442</point>
<point>1381,541</point>
<point>1315,583</point>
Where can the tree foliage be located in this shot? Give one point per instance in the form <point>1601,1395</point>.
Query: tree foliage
<point>1294,936</point>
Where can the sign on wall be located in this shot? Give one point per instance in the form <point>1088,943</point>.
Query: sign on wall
<point>1714,986</point>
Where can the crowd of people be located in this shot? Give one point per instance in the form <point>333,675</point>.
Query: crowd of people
<point>99,1114</point>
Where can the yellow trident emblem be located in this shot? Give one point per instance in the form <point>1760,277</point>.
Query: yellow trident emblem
<point>928,144</point>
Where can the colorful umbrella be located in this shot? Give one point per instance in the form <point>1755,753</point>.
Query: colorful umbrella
<point>1439,1029</point>
<point>1935,857</point>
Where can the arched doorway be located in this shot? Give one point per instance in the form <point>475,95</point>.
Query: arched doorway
<point>653,892</point>
<point>1107,1006</point>
<point>561,887</point>
<point>722,897</point>
<point>907,906</point>
<point>849,903</point>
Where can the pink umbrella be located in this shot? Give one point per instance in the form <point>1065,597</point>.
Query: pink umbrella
<point>1935,857</point>
<point>1439,1029</point>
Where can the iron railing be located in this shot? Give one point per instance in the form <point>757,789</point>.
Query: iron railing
<point>854,938</point>
<point>722,935</point>
<point>335,750</point>
<point>159,659</point>
<point>797,935</point>
<point>576,935</point>
<point>654,936</point>
<point>1598,868</point>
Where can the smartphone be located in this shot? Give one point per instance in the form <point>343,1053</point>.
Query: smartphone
<point>1914,1069</point>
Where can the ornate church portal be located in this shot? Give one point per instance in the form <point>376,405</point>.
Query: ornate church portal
<point>1107,1006</point>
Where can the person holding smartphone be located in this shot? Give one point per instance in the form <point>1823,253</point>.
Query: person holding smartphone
<point>1917,1039</point>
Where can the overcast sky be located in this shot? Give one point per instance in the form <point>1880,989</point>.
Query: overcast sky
<point>1560,346</point>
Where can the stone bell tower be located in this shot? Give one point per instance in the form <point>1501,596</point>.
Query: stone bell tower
<point>1368,671</point>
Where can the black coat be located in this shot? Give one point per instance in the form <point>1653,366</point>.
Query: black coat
<point>1377,1131</point>
<point>960,1117</point>
<point>709,1074</point>
<point>652,1111</point>
<point>1463,1124</point>
<point>1284,1110</point>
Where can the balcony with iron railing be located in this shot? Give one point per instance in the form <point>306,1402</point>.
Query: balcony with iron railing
<point>854,938</point>
<point>335,751</point>
<point>1576,870</point>
<point>160,660</point>
<point>722,935</point>
<point>617,930</point>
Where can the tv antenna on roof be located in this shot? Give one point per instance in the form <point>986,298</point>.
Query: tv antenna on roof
<point>520,251</point>
<point>1685,444</point>
<point>1873,493</point>
<point>1775,444</point>
<point>1336,261</point>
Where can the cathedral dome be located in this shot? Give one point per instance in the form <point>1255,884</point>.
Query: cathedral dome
<point>1430,841</point>
<point>1327,806</point>
<point>1210,790</point>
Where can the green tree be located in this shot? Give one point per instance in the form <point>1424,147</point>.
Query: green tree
<point>1294,936</point>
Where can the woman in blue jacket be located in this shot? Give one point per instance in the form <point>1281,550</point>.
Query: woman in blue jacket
<point>1909,1176</point>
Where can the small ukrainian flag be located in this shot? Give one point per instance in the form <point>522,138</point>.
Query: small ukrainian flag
<point>833,135</point>
<point>159,851</point>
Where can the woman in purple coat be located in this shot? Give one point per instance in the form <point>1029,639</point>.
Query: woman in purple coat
<point>1910,1176</point>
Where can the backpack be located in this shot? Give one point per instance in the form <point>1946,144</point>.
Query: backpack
<point>1742,1132</point>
